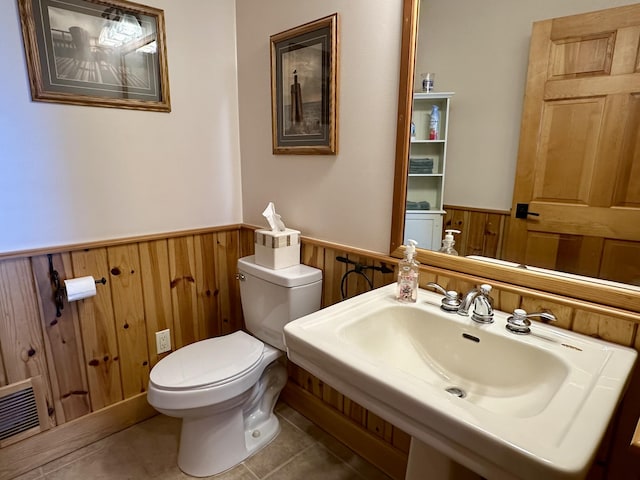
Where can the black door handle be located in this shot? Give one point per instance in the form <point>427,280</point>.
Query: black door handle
<point>522,211</point>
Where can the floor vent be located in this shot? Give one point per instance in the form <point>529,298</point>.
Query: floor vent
<point>23,411</point>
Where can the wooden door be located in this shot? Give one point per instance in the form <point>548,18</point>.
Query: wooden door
<point>579,156</point>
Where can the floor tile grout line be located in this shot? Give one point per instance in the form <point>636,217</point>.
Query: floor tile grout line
<point>346,464</point>
<point>66,464</point>
<point>290,422</point>
<point>291,459</point>
<point>324,446</point>
<point>253,474</point>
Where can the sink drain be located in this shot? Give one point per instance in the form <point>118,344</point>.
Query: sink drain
<point>458,392</point>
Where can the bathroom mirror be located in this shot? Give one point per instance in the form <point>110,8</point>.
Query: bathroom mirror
<point>614,295</point>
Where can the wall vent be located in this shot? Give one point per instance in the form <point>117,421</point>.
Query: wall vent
<point>23,411</point>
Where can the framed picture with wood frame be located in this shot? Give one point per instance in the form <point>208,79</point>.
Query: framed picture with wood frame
<point>97,53</point>
<point>304,88</point>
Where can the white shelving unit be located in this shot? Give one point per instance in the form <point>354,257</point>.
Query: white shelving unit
<point>425,186</point>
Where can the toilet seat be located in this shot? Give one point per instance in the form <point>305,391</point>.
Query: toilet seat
<point>208,363</point>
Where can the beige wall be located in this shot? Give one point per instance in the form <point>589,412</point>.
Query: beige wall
<point>71,174</point>
<point>75,174</point>
<point>344,198</point>
<point>479,50</point>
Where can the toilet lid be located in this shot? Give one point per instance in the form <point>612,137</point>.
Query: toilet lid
<point>208,362</point>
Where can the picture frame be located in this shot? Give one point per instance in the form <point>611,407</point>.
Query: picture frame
<point>304,88</point>
<point>96,53</point>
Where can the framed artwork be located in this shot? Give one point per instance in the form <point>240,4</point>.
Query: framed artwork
<point>304,84</point>
<point>99,53</point>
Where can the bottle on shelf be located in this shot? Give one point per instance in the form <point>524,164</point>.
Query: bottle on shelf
<point>434,123</point>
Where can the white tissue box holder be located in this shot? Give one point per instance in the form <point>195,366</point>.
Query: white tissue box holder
<point>277,249</point>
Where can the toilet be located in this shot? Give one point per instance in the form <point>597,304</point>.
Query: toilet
<point>225,388</point>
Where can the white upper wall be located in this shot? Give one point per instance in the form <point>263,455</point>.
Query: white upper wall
<point>479,50</point>
<point>344,198</point>
<point>73,174</point>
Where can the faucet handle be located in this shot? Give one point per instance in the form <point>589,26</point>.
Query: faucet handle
<point>451,300</point>
<point>519,322</point>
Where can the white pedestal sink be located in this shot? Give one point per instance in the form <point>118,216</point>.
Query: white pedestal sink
<point>505,406</point>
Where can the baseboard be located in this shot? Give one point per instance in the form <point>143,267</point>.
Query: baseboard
<point>45,447</point>
<point>372,448</point>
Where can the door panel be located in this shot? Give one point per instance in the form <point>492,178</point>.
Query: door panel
<point>567,149</point>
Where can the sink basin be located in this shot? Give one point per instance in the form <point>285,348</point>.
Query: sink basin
<point>491,371</point>
<point>504,405</point>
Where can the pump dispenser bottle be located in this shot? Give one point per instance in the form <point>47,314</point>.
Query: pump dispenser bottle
<point>408,272</point>
<point>449,242</point>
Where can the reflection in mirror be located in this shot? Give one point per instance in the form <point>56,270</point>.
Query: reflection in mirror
<point>483,59</point>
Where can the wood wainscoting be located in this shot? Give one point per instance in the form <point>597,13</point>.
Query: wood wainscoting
<point>482,231</point>
<point>95,358</point>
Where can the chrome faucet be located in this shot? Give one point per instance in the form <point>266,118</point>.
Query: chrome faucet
<point>480,300</point>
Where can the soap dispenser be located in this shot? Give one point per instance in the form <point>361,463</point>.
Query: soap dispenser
<point>408,272</point>
<point>448,242</point>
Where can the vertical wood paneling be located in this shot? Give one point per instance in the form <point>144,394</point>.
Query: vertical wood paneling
<point>333,397</point>
<point>247,242</point>
<point>506,301</point>
<point>226,267</point>
<point>379,426</point>
<point>20,331</point>
<point>98,331</point>
<point>476,234</point>
<point>355,412</point>
<point>206,284</point>
<point>22,344</point>
<point>3,373</point>
<point>128,309</point>
<point>184,297</point>
<point>312,255</point>
<point>156,288</point>
<point>332,275</point>
<point>401,440</point>
<point>63,342</point>
<point>599,326</point>
<point>493,231</point>
<point>482,232</point>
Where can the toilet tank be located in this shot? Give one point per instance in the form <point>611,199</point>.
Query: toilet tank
<point>272,298</point>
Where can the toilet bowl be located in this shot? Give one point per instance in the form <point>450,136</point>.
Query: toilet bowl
<point>225,388</point>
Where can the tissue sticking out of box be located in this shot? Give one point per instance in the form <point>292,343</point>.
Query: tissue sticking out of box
<point>278,247</point>
<point>274,220</point>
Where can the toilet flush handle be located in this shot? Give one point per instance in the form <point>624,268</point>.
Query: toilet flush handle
<point>240,276</point>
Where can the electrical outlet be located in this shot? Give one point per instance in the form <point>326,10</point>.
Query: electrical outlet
<point>163,341</point>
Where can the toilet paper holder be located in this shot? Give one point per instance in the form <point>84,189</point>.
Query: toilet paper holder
<point>58,289</point>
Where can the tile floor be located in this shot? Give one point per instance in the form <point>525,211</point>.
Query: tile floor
<point>148,450</point>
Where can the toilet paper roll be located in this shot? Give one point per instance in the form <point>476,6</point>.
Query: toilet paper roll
<point>79,288</point>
